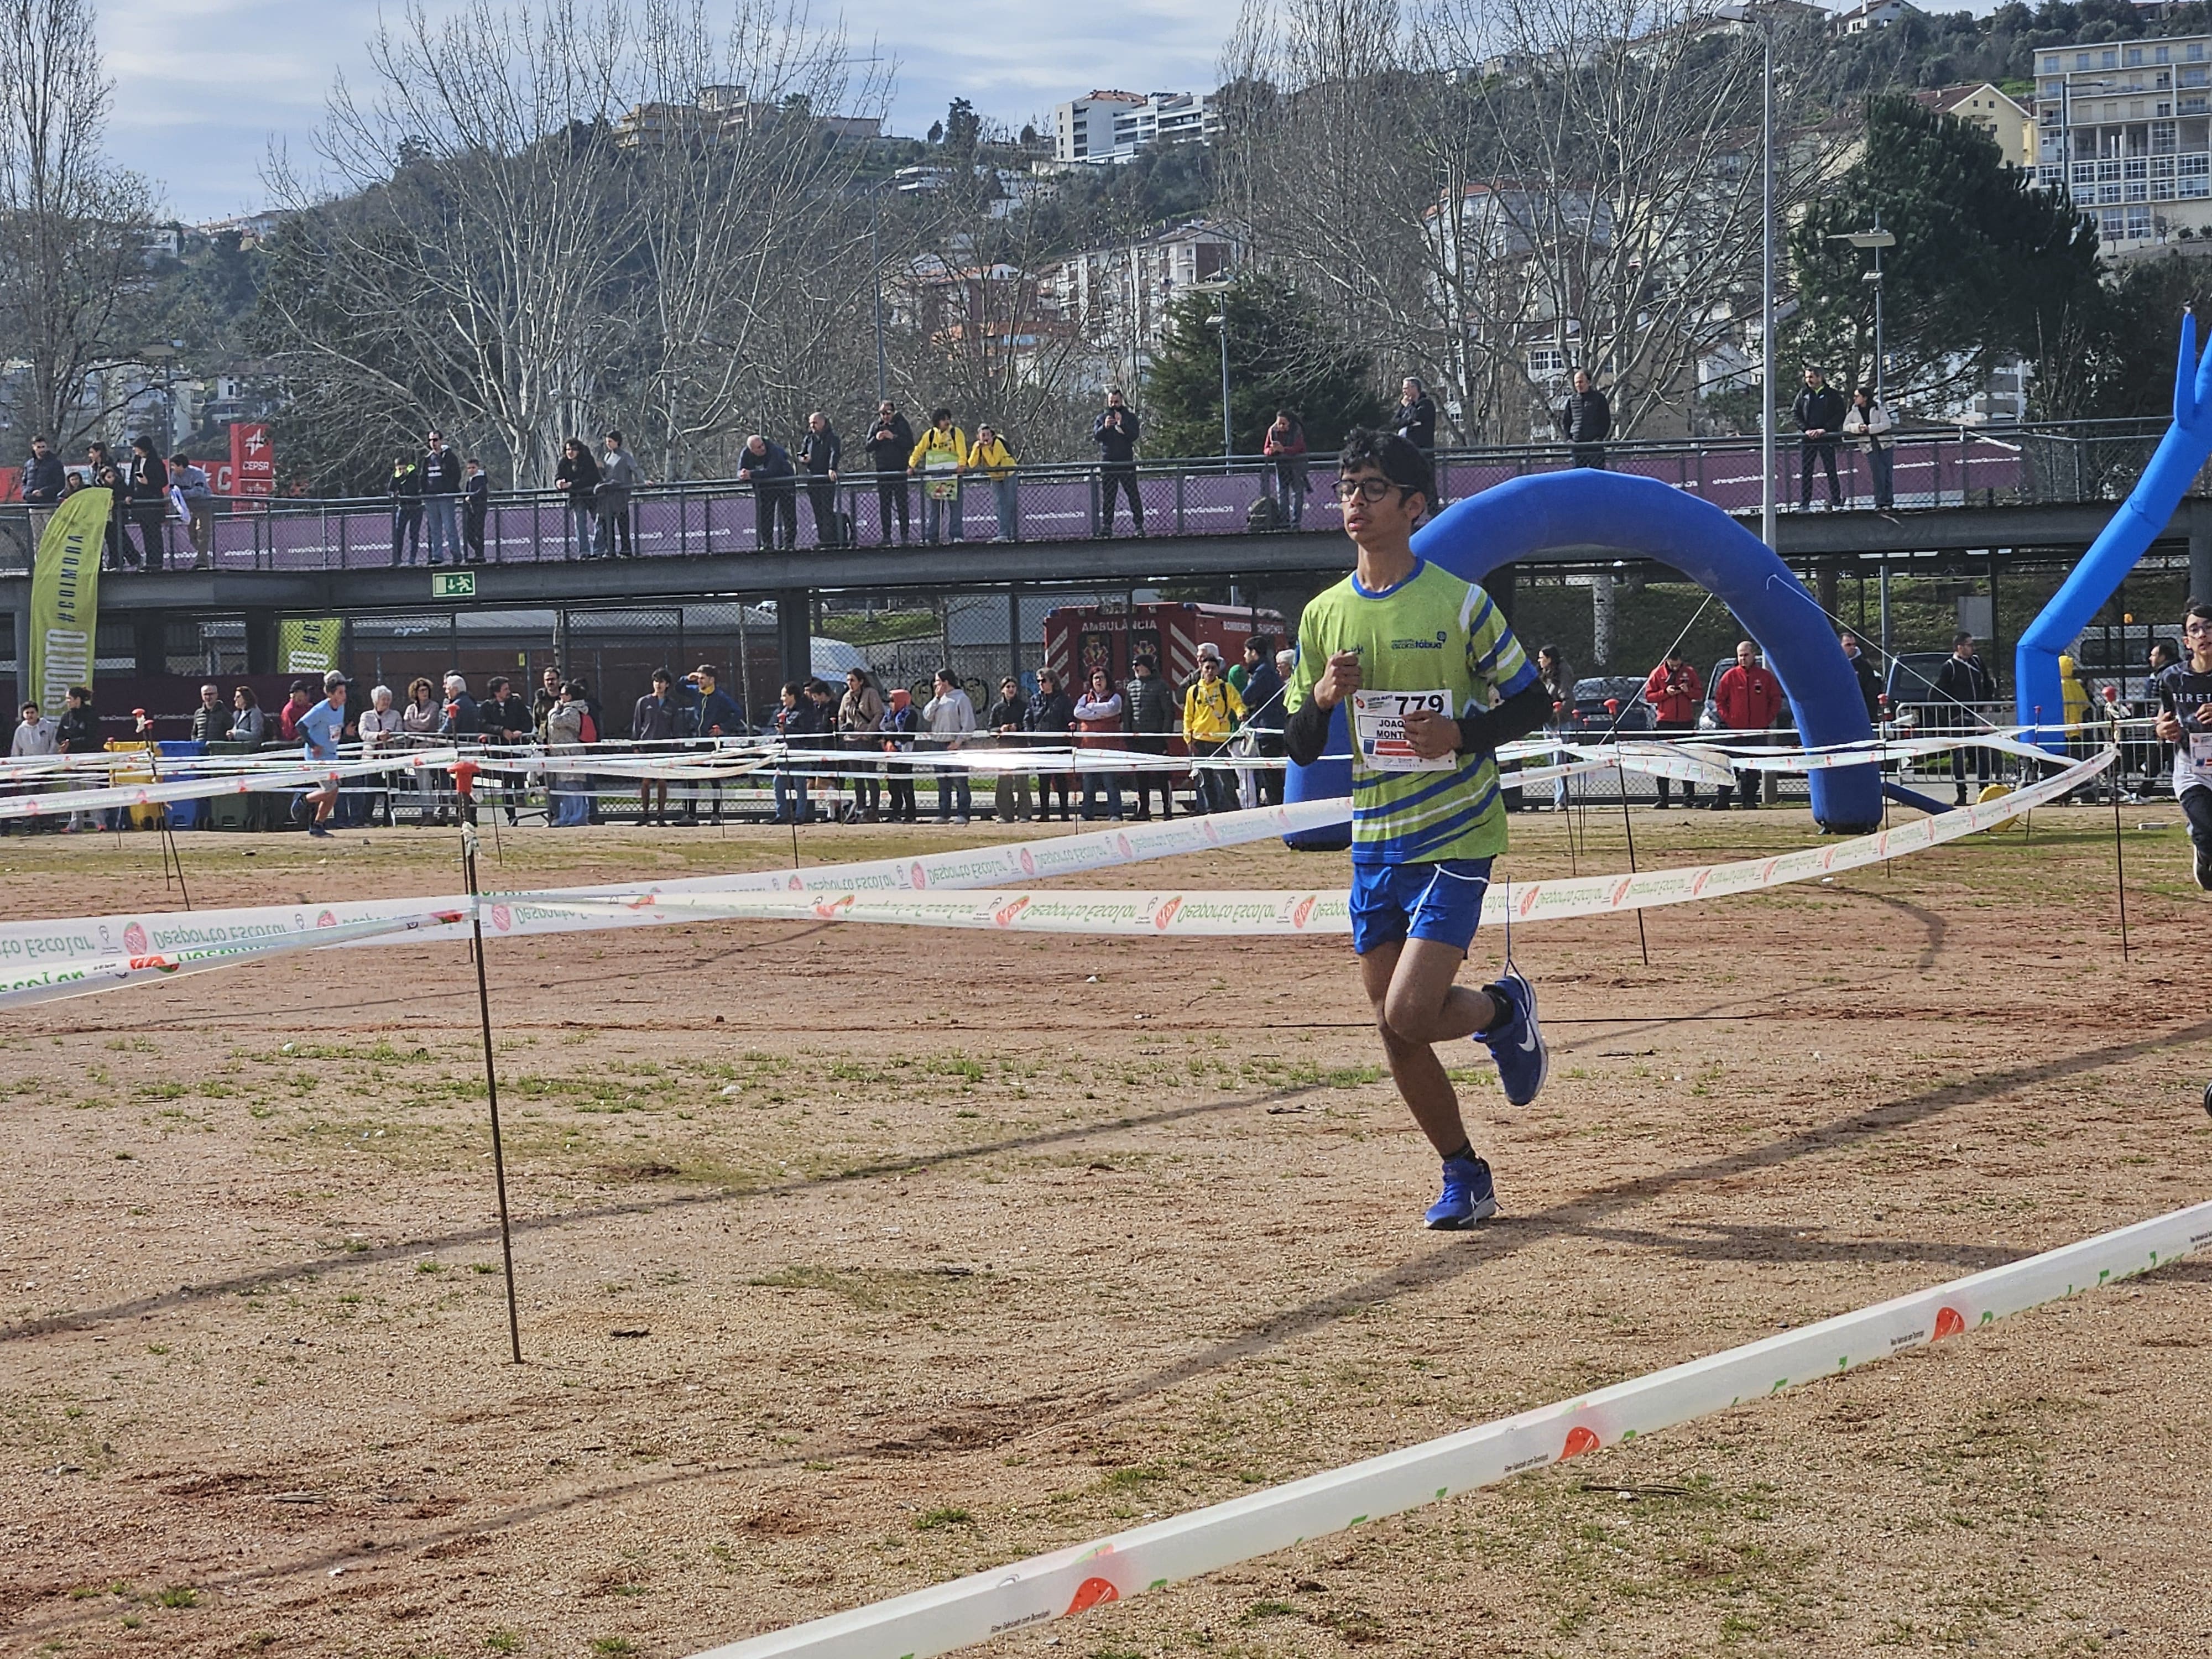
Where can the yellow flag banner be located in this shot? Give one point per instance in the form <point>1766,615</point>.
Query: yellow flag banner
<point>65,596</point>
<point>308,644</point>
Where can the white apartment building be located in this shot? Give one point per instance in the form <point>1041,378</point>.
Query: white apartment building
<point>2127,126</point>
<point>1082,128</point>
<point>1113,126</point>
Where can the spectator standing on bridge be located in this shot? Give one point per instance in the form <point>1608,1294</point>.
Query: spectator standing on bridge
<point>1116,432</point>
<point>1819,412</point>
<point>820,455</point>
<point>618,476</point>
<point>949,716</point>
<point>1586,421</point>
<point>578,477</point>
<point>890,441</point>
<point>1963,684</point>
<point>767,467</point>
<point>1149,711</point>
<point>1748,699</point>
<point>1415,420</point>
<point>406,491</point>
<point>1675,692</point>
<point>989,456</point>
<point>1051,716</point>
<point>102,473</point>
<point>1285,445</point>
<point>195,501</point>
<point>475,509</point>
<point>1098,717</point>
<point>1008,719</point>
<point>936,460</point>
<point>1210,709</point>
<point>1870,681</point>
<point>150,499</point>
<point>2185,720</point>
<point>45,481</point>
<point>1868,425</point>
<point>441,499</point>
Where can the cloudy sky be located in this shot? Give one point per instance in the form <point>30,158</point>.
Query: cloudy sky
<point>203,87</point>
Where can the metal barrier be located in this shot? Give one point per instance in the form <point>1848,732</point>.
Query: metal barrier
<point>1933,466</point>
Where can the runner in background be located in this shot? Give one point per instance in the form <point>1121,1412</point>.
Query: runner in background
<point>1417,653</point>
<point>2185,720</point>
<point>322,728</point>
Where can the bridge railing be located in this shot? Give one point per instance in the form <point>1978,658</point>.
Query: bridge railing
<point>1932,466</point>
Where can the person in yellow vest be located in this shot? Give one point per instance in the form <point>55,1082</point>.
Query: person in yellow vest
<point>937,461</point>
<point>1210,710</point>
<point>2074,696</point>
<point>990,457</point>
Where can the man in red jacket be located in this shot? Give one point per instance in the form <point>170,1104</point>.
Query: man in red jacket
<point>1675,692</point>
<point>1747,699</point>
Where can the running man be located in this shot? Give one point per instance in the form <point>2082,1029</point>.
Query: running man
<point>1417,656</point>
<point>2185,720</point>
<point>323,728</point>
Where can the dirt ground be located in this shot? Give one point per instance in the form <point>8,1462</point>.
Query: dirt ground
<point>853,1260</point>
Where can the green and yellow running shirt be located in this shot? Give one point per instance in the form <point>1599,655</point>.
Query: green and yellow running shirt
<point>1431,632</point>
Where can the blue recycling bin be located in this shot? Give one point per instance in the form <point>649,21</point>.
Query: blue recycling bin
<point>185,814</point>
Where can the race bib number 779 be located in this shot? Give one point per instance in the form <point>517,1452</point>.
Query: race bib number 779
<point>1378,720</point>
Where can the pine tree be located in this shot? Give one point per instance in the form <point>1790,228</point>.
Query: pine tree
<point>1985,266</point>
<point>1281,356</point>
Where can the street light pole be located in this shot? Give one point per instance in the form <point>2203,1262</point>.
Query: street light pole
<point>1766,526</point>
<point>1219,287</point>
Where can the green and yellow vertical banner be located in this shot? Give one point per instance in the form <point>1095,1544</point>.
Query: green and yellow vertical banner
<point>65,597</point>
<point>308,644</point>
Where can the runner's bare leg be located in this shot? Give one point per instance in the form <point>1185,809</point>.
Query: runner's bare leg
<point>1411,985</point>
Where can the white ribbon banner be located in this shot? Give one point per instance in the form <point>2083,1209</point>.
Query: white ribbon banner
<point>1069,1581</point>
<point>204,786</point>
<point>1218,913</point>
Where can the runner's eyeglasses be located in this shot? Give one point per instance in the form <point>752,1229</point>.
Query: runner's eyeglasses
<point>1369,490</point>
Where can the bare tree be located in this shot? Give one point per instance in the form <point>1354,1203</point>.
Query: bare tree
<point>1495,191</point>
<point>72,271</point>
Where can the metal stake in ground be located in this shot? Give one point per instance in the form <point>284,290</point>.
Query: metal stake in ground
<point>2119,858</point>
<point>491,1086</point>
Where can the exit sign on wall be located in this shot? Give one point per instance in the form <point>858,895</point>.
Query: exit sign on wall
<point>452,584</point>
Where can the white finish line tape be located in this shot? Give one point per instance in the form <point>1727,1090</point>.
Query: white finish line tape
<point>19,987</point>
<point>1218,913</point>
<point>61,945</point>
<point>1069,1581</point>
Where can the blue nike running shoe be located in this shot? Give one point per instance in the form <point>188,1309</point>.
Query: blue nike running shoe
<point>1517,1046</point>
<point>1469,1196</point>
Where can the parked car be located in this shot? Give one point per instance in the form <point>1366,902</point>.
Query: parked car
<point>1911,685</point>
<point>1587,711</point>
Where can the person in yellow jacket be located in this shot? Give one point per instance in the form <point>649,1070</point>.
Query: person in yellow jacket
<point>2080,742</point>
<point>937,461</point>
<point>989,456</point>
<point>1210,710</point>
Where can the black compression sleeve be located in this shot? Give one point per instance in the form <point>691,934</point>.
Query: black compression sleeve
<point>1521,713</point>
<point>1305,734</point>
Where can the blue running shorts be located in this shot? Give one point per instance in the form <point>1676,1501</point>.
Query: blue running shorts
<point>1441,901</point>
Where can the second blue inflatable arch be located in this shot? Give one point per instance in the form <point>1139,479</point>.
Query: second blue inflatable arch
<point>1641,518</point>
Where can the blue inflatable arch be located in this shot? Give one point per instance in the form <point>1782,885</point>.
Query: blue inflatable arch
<point>1642,518</point>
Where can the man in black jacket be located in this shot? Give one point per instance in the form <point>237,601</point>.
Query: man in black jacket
<point>891,442</point>
<point>1585,422</point>
<point>1152,714</point>
<point>1870,681</point>
<point>441,499</point>
<point>1962,683</point>
<point>767,467</point>
<point>506,719</point>
<point>78,733</point>
<point>1819,412</point>
<point>1415,420</point>
<point>1263,692</point>
<point>1115,432</point>
<point>819,453</point>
